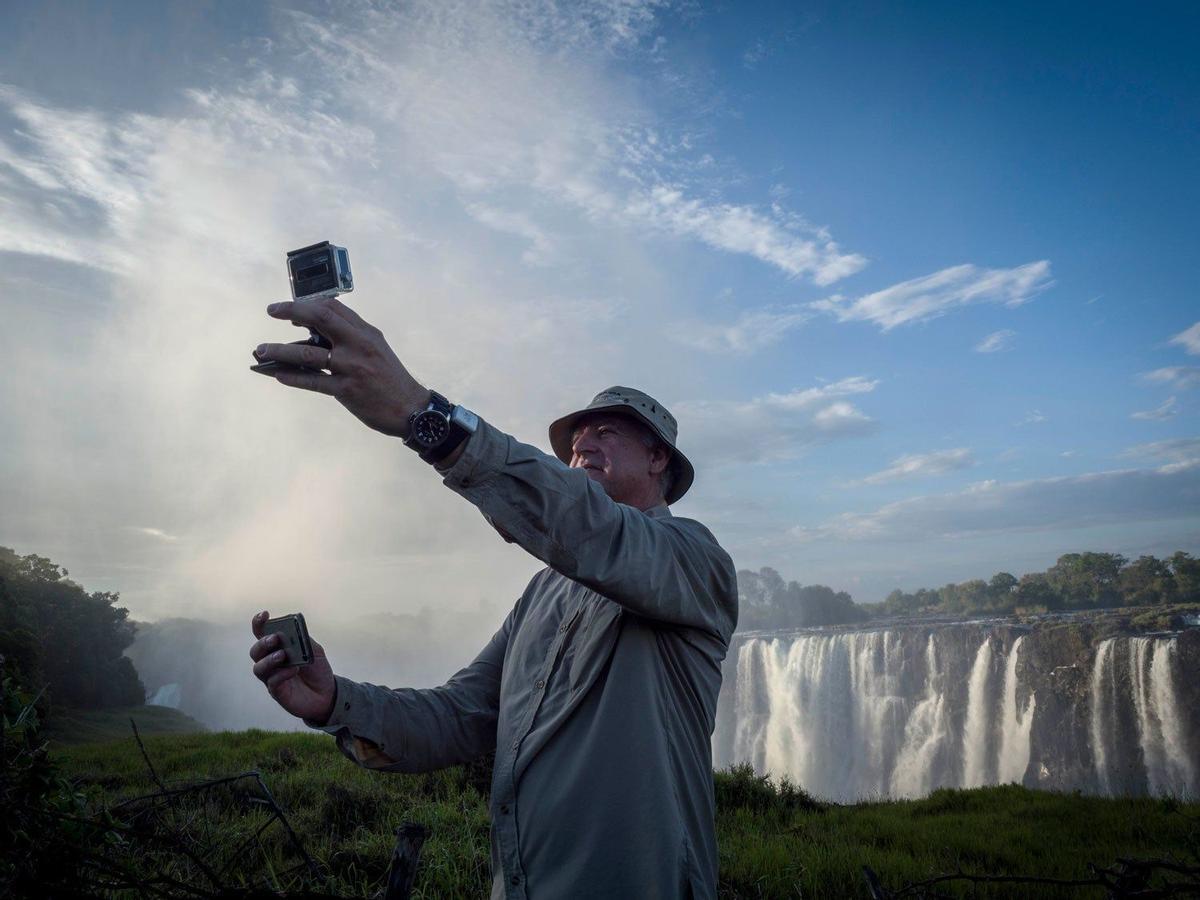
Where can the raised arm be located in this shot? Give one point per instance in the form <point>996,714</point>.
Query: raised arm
<point>658,566</point>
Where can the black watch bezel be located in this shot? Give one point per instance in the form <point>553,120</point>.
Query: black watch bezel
<point>441,409</point>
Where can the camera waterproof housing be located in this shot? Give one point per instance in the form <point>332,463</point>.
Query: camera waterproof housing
<point>319,270</point>
<point>316,271</point>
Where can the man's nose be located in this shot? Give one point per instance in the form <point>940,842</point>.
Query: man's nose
<point>584,442</point>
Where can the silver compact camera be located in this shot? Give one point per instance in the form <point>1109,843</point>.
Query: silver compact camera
<point>316,271</point>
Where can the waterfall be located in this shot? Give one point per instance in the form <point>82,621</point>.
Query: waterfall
<point>924,734</point>
<point>975,735</point>
<point>1103,706</point>
<point>899,712</point>
<point>1015,726</point>
<point>1169,768</point>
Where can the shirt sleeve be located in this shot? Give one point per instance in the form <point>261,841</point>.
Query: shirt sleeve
<point>664,568</point>
<point>419,730</point>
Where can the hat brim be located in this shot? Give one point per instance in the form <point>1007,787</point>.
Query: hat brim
<point>560,441</point>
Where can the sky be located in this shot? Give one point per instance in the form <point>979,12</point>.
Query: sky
<point>917,281</point>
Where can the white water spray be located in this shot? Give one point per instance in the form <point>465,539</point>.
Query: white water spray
<point>975,745</point>
<point>1016,725</point>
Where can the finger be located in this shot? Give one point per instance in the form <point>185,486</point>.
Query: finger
<point>257,623</point>
<point>280,677</point>
<point>261,648</point>
<point>268,664</point>
<point>308,355</point>
<point>348,314</point>
<point>320,314</point>
<point>310,381</point>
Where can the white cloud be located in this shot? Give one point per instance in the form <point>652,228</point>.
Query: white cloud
<point>742,229</point>
<point>934,295</point>
<point>922,465</point>
<point>1174,450</point>
<point>774,426</point>
<point>156,533</point>
<point>996,341</point>
<point>1167,410</point>
<point>1124,496</point>
<point>753,330</point>
<point>1034,417</point>
<point>542,247</point>
<point>1181,378</point>
<point>1188,339</point>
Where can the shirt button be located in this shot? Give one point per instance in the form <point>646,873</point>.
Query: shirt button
<point>504,808</point>
<point>347,706</point>
<point>562,628</point>
<point>516,879</point>
<point>539,684</point>
<point>516,744</point>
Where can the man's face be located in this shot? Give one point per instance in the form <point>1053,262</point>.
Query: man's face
<point>611,449</point>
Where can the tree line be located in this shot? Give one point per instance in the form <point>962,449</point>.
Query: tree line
<point>1076,581</point>
<point>56,635</point>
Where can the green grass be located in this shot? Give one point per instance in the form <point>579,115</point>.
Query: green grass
<point>74,726</point>
<point>774,840</point>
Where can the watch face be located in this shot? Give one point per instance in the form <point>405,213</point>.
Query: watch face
<point>430,428</point>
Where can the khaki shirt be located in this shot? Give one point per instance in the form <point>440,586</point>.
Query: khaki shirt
<point>598,693</point>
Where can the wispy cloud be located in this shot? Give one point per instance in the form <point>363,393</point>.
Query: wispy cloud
<point>1167,410</point>
<point>1181,378</point>
<point>752,331</point>
<point>1034,417</point>
<point>1188,339</point>
<point>922,465</point>
<point>1124,496</point>
<point>783,425</point>
<point>1174,450</point>
<point>935,295</point>
<point>743,229</point>
<point>156,533</point>
<point>996,341</point>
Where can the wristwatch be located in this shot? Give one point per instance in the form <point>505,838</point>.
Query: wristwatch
<point>435,431</point>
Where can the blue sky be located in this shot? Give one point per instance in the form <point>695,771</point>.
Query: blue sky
<point>917,280</point>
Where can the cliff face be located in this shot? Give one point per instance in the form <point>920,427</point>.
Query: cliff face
<point>1087,701</point>
<point>1117,712</point>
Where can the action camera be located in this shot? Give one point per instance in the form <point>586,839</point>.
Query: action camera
<point>316,271</point>
<point>320,270</point>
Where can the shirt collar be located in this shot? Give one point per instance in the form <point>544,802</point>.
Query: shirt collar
<point>658,512</point>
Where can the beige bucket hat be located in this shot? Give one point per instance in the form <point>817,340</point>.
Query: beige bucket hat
<point>640,406</point>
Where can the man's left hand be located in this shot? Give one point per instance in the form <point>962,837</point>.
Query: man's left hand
<point>365,375</point>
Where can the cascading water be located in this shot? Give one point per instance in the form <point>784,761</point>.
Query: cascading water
<point>899,712</point>
<point>975,736</point>
<point>1015,725</point>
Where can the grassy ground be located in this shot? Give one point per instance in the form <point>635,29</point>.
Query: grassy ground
<point>773,842</point>
<point>73,726</point>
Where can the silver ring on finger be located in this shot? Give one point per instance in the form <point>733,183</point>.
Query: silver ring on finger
<point>329,362</point>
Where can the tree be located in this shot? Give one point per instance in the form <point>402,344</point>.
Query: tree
<point>1186,572</point>
<point>1087,579</point>
<point>1146,581</point>
<point>1036,590</point>
<point>64,637</point>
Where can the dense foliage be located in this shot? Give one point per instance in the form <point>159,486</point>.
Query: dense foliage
<point>1076,581</point>
<point>55,634</point>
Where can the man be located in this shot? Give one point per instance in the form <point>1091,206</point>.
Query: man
<point>599,691</point>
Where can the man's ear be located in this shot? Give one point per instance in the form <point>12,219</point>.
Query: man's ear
<point>660,456</point>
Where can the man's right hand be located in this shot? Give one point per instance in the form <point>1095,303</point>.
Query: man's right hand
<point>305,691</point>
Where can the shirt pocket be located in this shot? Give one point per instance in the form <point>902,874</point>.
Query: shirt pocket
<point>590,643</point>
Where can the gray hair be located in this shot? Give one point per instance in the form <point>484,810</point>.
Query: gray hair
<point>666,478</point>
